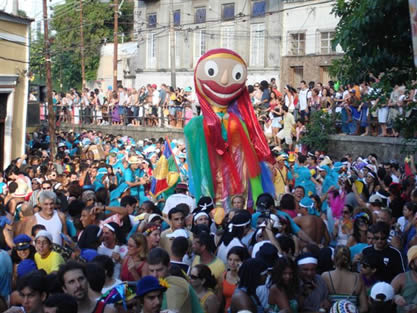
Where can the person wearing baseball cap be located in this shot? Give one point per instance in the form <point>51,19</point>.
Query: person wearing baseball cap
<point>45,258</point>
<point>405,284</point>
<point>381,298</point>
<point>149,292</point>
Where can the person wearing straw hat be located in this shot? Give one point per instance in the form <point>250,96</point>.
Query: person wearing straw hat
<point>132,176</point>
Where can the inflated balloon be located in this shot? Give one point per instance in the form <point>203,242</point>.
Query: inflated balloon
<point>227,150</point>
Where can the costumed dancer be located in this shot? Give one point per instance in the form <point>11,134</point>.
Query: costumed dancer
<point>227,151</point>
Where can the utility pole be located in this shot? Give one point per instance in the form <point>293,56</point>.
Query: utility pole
<point>172,44</point>
<point>51,115</point>
<point>82,45</point>
<point>115,44</point>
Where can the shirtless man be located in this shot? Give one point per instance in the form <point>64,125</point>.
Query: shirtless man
<point>311,224</point>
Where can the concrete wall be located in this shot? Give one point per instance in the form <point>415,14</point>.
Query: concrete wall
<point>384,147</point>
<point>135,132</point>
<point>312,68</point>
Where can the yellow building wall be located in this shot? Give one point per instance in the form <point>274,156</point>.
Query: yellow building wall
<point>18,52</point>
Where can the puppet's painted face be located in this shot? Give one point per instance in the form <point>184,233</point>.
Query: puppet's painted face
<point>221,78</point>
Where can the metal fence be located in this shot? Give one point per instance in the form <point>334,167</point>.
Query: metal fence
<point>123,116</point>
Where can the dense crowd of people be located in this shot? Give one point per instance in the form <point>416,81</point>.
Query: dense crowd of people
<point>80,231</point>
<point>164,106</point>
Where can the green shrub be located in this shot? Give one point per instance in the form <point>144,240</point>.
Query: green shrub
<point>320,126</point>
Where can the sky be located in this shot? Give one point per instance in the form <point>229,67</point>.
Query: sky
<point>33,8</point>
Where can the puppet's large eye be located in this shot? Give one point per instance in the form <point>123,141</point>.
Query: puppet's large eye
<point>211,68</point>
<point>237,72</point>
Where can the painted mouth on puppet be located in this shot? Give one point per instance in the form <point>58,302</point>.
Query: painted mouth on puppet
<point>223,95</point>
<point>220,94</point>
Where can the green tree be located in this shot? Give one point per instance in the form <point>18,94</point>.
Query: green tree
<point>66,41</point>
<point>375,36</point>
<point>37,61</point>
<point>318,130</point>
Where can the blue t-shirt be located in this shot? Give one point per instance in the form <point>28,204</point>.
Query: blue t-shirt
<point>6,270</point>
<point>265,96</point>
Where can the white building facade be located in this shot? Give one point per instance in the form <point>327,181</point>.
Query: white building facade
<point>308,29</point>
<point>252,28</point>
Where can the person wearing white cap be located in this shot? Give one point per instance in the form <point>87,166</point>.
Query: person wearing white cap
<point>382,299</point>
<point>314,290</point>
<point>45,258</point>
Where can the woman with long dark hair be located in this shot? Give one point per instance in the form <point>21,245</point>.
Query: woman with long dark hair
<point>252,274</point>
<point>359,239</point>
<point>284,290</point>
<point>204,284</point>
<point>235,258</point>
<point>234,233</point>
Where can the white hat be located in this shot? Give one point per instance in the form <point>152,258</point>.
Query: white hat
<point>258,246</point>
<point>44,233</point>
<point>152,216</point>
<point>178,233</point>
<point>384,289</point>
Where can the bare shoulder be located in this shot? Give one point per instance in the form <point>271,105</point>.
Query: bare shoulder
<point>399,280</point>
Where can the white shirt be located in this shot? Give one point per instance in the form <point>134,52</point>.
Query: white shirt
<point>122,250</point>
<point>223,250</point>
<point>302,98</point>
<point>178,198</point>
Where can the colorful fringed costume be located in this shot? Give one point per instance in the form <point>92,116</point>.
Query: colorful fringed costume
<point>227,150</point>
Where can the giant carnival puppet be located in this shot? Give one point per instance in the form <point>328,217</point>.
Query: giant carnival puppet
<point>227,150</point>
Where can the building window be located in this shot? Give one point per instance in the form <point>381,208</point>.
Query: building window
<point>227,37</point>
<point>200,44</point>
<point>151,50</point>
<point>298,44</point>
<point>257,44</point>
<point>325,76</point>
<point>200,15</point>
<point>228,11</point>
<point>258,8</point>
<point>326,43</point>
<point>177,18</point>
<point>296,75</point>
<point>152,20</point>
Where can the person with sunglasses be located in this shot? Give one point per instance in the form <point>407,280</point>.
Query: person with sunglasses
<point>369,265</point>
<point>392,258</point>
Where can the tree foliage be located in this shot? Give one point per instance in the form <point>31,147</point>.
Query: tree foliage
<point>376,38</point>
<point>98,23</point>
<point>37,60</point>
<point>321,126</point>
